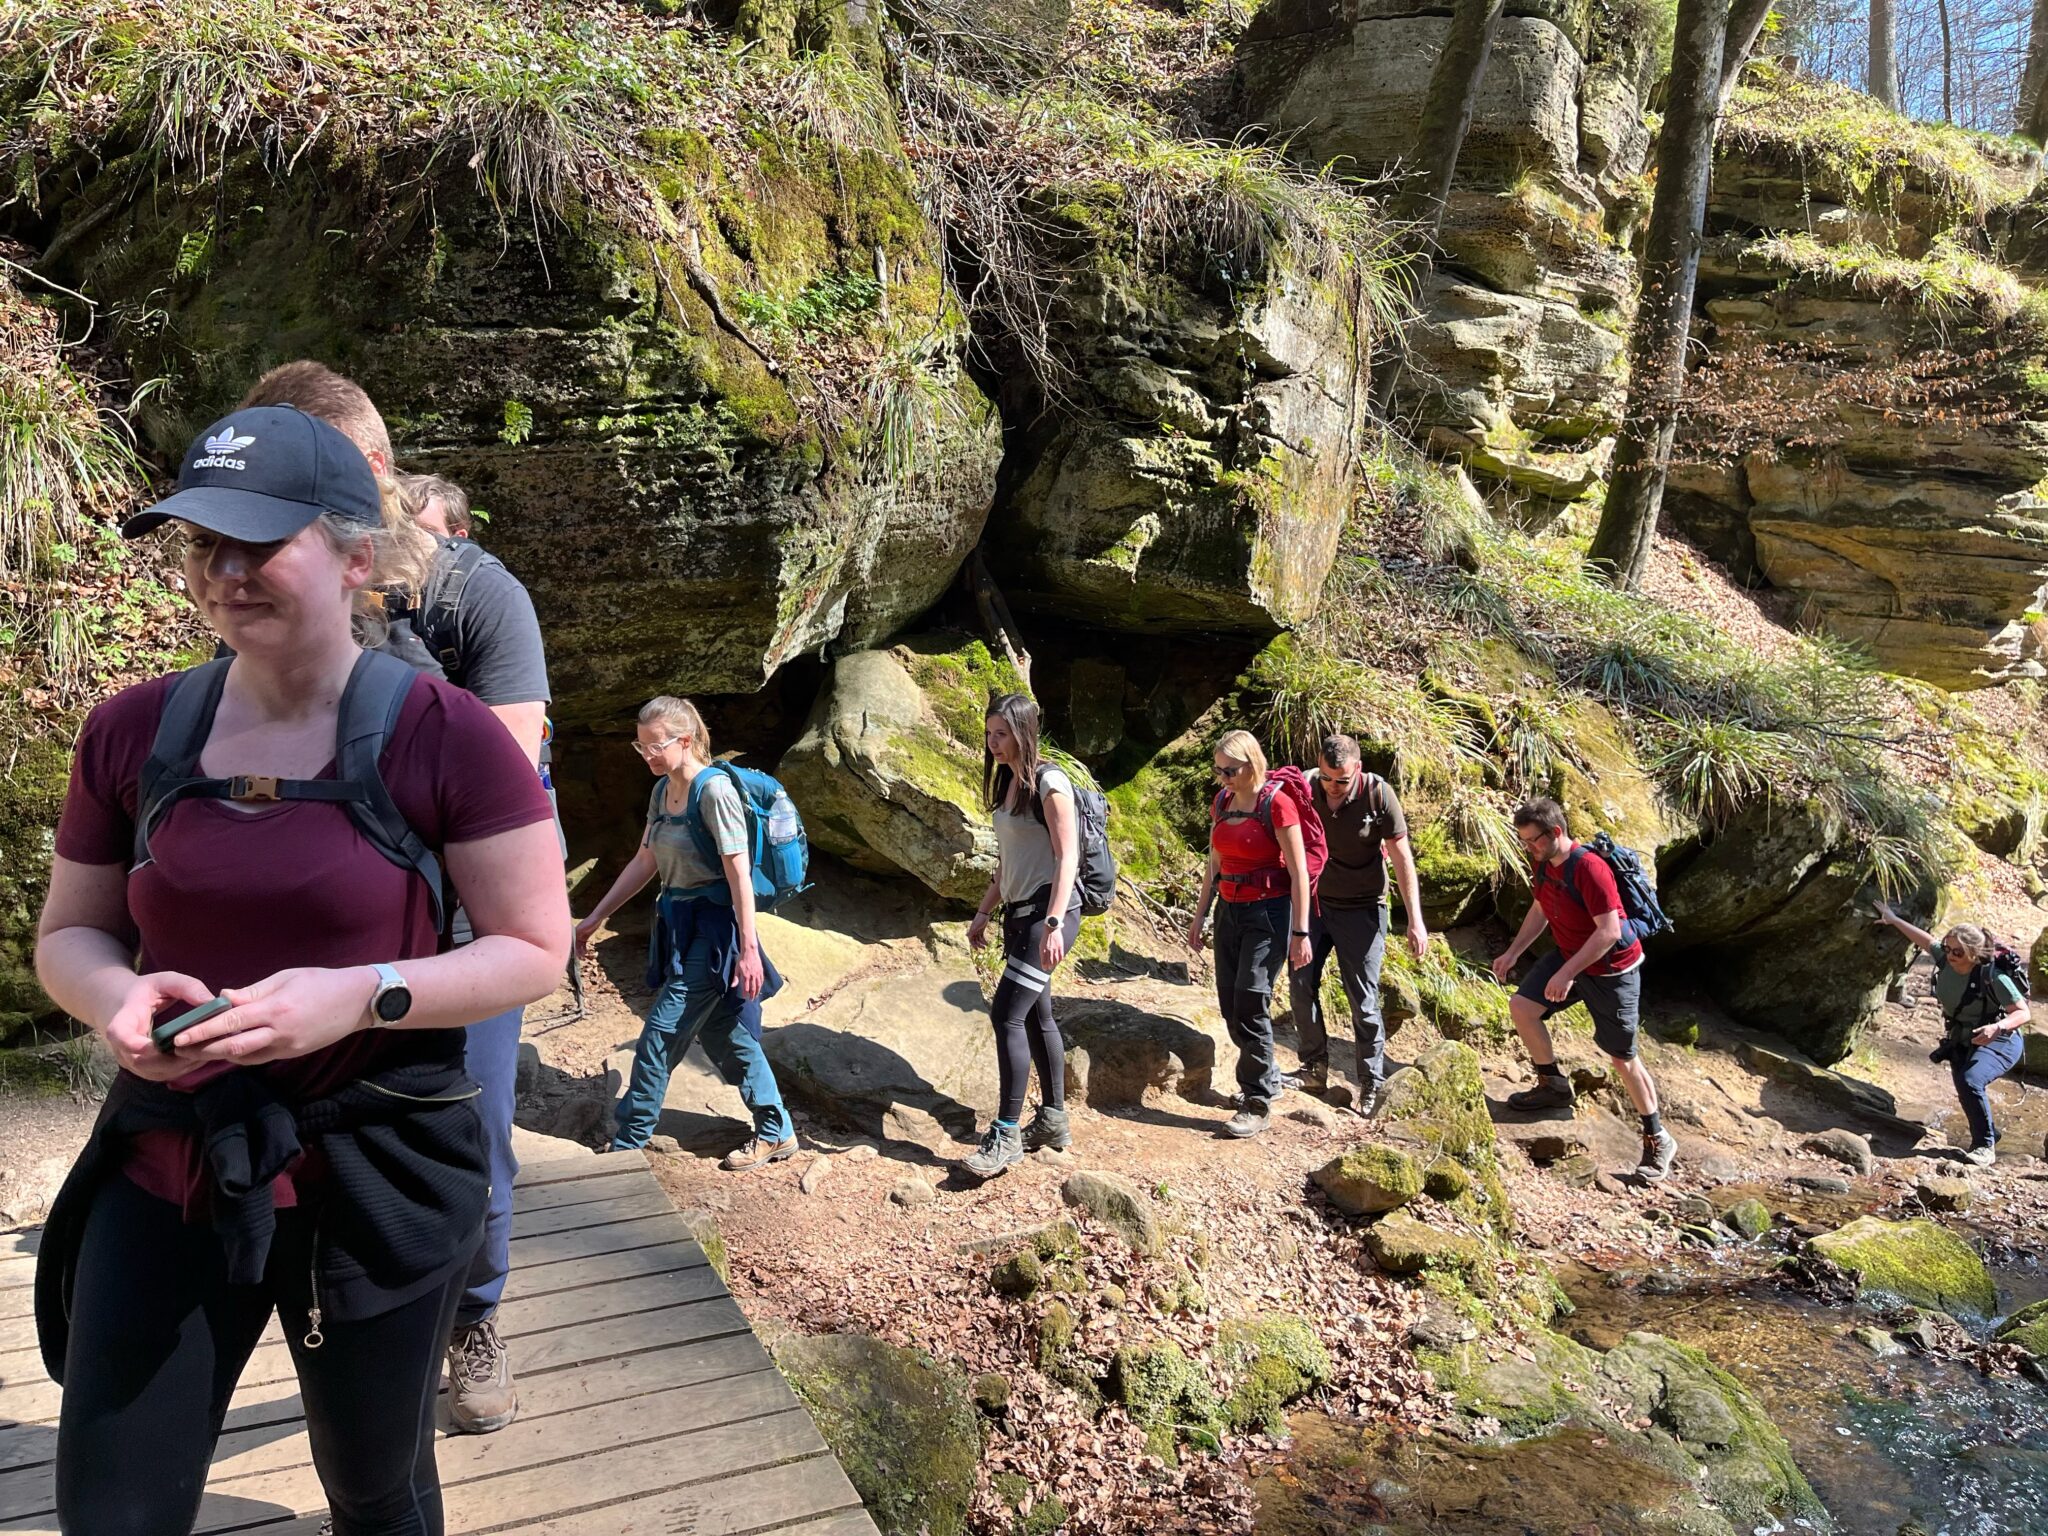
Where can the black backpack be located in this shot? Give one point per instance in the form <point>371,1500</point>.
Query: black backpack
<point>370,706</point>
<point>1095,877</point>
<point>1642,916</point>
<point>435,616</point>
<point>1981,989</point>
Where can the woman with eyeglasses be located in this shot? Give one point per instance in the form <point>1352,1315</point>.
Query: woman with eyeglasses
<point>704,958</point>
<point>1985,1011</point>
<point>1259,866</point>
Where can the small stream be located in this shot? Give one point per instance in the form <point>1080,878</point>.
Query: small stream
<point>1899,1445</point>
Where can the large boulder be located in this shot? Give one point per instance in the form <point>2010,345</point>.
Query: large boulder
<point>1918,1261</point>
<point>28,821</point>
<point>1771,914</point>
<point>901,1424</point>
<point>888,769</point>
<point>687,515</point>
<point>1195,471</point>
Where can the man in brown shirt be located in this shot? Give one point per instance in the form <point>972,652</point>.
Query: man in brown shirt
<point>1366,831</point>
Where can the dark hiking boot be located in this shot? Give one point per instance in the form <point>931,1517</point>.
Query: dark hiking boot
<point>481,1393</point>
<point>1002,1146</point>
<point>1659,1151</point>
<point>1314,1077</point>
<point>1365,1104</point>
<point>758,1153</point>
<point>1549,1093</point>
<point>1248,1121</point>
<point>1048,1128</point>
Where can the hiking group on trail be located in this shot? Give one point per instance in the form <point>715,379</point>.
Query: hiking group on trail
<point>305,890</point>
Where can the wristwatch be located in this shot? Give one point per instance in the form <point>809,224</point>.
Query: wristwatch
<point>391,1001</point>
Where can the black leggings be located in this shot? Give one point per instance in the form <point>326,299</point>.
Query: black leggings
<point>1027,1034</point>
<point>158,1340</point>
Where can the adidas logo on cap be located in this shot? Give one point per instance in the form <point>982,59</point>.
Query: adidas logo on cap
<point>220,449</point>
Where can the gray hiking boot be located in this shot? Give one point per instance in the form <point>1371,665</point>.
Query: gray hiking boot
<point>1048,1128</point>
<point>1002,1146</point>
<point>1981,1157</point>
<point>481,1393</point>
<point>1549,1093</point>
<point>1658,1153</point>
<point>1248,1121</point>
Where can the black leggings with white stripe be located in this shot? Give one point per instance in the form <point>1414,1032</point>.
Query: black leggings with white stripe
<point>1027,1035</point>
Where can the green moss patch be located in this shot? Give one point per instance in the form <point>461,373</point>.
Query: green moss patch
<point>1267,1362</point>
<point>1918,1261</point>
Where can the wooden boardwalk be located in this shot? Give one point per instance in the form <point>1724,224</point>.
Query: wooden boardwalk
<point>646,1403</point>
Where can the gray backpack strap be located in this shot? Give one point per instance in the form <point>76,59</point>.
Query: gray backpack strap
<point>440,609</point>
<point>370,706</point>
<point>171,772</point>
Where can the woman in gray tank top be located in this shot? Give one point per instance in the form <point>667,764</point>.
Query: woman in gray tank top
<point>1038,858</point>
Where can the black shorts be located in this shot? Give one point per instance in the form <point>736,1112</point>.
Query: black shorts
<point>1614,1001</point>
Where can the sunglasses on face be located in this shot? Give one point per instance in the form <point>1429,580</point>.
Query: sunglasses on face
<point>1953,952</point>
<point>660,746</point>
<point>1232,771</point>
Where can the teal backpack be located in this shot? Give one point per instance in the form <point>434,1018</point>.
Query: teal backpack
<point>777,848</point>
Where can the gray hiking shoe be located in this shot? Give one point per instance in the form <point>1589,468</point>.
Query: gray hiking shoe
<point>481,1393</point>
<point>1549,1093</point>
<point>1002,1146</point>
<point>1248,1121</point>
<point>1048,1128</point>
<point>1981,1157</point>
<point>1658,1153</point>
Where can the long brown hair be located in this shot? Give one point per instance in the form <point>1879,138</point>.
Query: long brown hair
<point>1019,711</point>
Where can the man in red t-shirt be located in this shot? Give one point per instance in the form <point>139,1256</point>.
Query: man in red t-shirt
<point>1595,963</point>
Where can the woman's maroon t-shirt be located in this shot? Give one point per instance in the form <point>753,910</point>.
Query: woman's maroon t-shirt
<point>230,897</point>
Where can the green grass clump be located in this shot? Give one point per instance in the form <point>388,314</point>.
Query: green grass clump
<point>1949,284</point>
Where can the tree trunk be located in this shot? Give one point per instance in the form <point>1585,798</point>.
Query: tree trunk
<point>1883,77</point>
<point>1745,25</point>
<point>1671,264</point>
<point>1948,65</point>
<point>2030,115</point>
<point>1447,113</point>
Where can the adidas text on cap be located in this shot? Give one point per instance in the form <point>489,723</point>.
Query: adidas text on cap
<point>260,475</point>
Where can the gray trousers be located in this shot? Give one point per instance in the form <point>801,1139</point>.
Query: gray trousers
<point>1359,938</point>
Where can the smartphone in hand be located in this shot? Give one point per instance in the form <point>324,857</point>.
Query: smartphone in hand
<point>166,1031</point>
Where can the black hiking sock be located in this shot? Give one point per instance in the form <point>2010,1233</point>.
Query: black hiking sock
<point>1549,1069</point>
<point>1653,1126</point>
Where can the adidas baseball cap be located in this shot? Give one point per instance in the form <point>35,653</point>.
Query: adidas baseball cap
<point>261,474</point>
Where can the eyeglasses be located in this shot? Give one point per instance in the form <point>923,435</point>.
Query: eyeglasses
<point>1233,771</point>
<point>659,746</point>
<point>1532,840</point>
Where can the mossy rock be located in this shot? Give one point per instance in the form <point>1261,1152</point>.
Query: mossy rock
<point>2027,1328</point>
<point>1439,1103</point>
<point>1918,1261</point>
<point>2037,972</point>
<point>1750,1217</point>
<point>1118,1204</point>
<point>1166,1394</point>
<point>1369,1180</point>
<point>902,1425</point>
<point>1402,1244</point>
<point>1455,882</point>
<point>1268,1362</point>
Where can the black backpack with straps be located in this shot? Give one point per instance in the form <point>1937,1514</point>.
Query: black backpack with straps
<point>370,706</point>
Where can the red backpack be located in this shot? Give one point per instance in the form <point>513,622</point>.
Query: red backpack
<point>1315,847</point>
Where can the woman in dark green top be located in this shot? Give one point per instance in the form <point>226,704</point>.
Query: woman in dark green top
<point>1985,1012</point>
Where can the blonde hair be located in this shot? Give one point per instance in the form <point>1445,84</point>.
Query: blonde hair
<point>680,716</point>
<point>1245,748</point>
<point>1976,942</point>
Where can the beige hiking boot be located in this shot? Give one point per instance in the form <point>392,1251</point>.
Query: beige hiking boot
<point>481,1393</point>
<point>757,1153</point>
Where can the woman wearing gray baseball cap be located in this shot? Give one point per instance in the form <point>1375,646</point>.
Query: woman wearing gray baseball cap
<point>247,905</point>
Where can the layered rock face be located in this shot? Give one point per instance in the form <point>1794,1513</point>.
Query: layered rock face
<point>1516,361</point>
<point>1196,470</point>
<point>1893,484</point>
<point>684,522</point>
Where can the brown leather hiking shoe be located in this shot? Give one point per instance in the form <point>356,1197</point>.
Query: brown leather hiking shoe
<point>757,1153</point>
<point>481,1394</point>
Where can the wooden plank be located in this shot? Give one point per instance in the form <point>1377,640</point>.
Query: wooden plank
<point>751,1501</point>
<point>18,1302</point>
<point>561,1170</point>
<point>579,1191</point>
<point>853,1522</point>
<point>596,1213</point>
<point>612,1237</point>
<point>663,1258</point>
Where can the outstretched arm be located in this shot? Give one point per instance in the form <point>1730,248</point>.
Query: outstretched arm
<point>1920,936</point>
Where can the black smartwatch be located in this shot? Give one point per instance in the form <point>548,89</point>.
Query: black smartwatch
<point>391,1001</point>
<point>1300,933</point>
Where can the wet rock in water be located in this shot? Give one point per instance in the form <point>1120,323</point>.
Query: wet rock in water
<point>1117,1203</point>
<point>1845,1147</point>
<point>1369,1180</point>
<point>2027,1328</point>
<point>1878,1342</point>
<point>1751,1217</point>
<point>913,1192</point>
<point>1918,1261</point>
<point>1943,1192</point>
<point>1402,1245</point>
<point>901,1424</point>
<point>1266,1363</point>
<point>1819,1183</point>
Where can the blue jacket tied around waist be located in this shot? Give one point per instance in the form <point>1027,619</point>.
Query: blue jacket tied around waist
<point>681,919</point>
